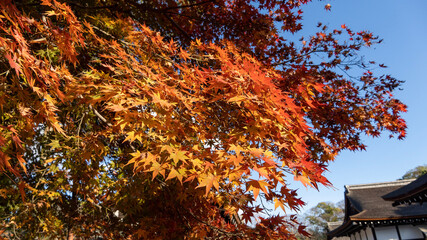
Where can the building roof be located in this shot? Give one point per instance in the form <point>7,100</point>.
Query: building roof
<point>333,225</point>
<point>415,191</point>
<point>368,205</point>
<point>365,206</point>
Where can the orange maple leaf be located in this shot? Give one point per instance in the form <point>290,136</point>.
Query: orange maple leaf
<point>209,181</point>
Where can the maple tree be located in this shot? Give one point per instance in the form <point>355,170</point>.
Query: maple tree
<point>167,119</point>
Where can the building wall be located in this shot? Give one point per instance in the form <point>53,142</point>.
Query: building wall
<point>389,233</point>
<point>365,234</point>
<point>410,232</point>
<point>386,233</point>
<point>369,233</point>
<point>341,238</point>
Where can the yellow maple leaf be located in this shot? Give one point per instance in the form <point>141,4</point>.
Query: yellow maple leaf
<point>208,181</point>
<point>177,156</point>
<point>176,174</point>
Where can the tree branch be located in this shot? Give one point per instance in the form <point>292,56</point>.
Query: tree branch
<point>228,234</point>
<point>93,7</point>
<point>177,26</point>
<point>100,116</point>
<point>186,6</point>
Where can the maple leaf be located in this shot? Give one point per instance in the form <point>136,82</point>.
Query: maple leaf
<point>54,144</point>
<point>157,99</point>
<point>21,162</point>
<point>236,148</point>
<point>269,162</point>
<point>184,54</point>
<point>256,186</point>
<point>169,149</point>
<point>236,160</point>
<point>156,168</point>
<point>178,156</point>
<point>279,203</point>
<point>303,179</point>
<point>207,182</point>
<point>262,172</point>
<point>237,99</point>
<point>116,108</point>
<point>247,215</point>
<point>176,174</point>
<point>130,137</point>
<point>21,187</point>
<point>13,64</point>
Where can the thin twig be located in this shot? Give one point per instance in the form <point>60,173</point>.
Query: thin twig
<point>186,6</point>
<point>78,130</point>
<point>177,26</point>
<point>93,7</point>
<point>100,116</point>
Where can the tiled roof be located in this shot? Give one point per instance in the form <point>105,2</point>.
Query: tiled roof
<point>333,225</point>
<point>365,206</point>
<point>415,191</point>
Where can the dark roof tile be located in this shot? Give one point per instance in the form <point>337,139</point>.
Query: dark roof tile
<point>364,203</point>
<point>366,199</point>
<point>405,193</point>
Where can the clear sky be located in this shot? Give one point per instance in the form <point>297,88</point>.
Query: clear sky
<point>403,26</point>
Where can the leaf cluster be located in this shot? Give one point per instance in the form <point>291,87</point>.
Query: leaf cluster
<point>174,119</point>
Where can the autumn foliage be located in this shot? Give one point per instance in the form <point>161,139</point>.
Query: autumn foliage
<point>174,119</point>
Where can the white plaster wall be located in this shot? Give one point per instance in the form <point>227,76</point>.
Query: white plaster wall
<point>410,232</point>
<point>363,235</point>
<point>389,233</point>
<point>341,238</point>
<point>369,233</point>
<point>386,233</point>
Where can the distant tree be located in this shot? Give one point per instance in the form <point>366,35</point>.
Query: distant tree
<point>317,218</point>
<point>415,172</point>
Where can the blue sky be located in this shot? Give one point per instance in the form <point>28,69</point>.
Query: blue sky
<point>403,26</point>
